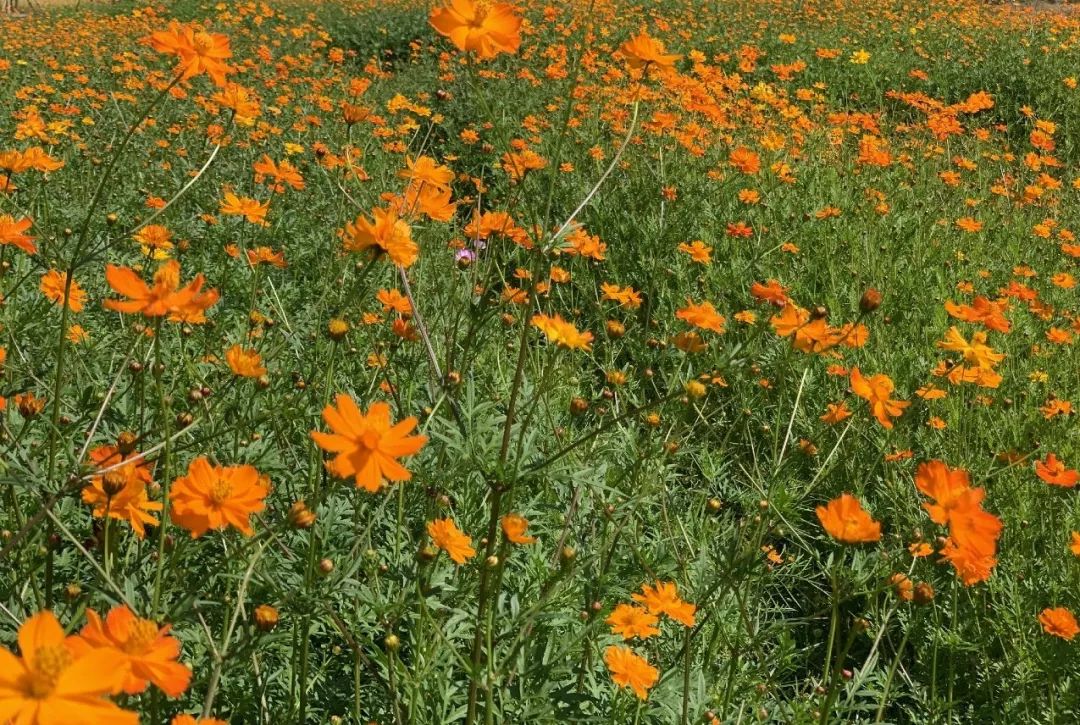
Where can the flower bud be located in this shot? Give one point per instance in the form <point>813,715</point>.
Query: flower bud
<point>125,443</point>
<point>870,300</point>
<point>113,482</point>
<point>337,329</point>
<point>300,516</point>
<point>266,617</point>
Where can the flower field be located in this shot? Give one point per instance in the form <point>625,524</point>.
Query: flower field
<point>615,361</point>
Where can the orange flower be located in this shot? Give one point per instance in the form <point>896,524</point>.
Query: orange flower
<point>16,162</point>
<point>1074,542</point>
<point>425,171</point>
<point>185,719</point>
<point>150,651</point>
<point>216,497</point>
<point>771,291</point>
<point>813,335</point>
<point>745,160</point>
<point>845,520</point>
<point>970,526</point>
<point>702,315</point>
<point>663,598</point>
<point>53,284</point>
<point>121,491</point>
<point>198,50</point>
<point>252,210</point>
<point>429,200</point>
<point>630,670</point>
<point>972,565</point>
<point>642,51</point>
<point>876,390</point>
<point>969,224</point>
<point>1059,622</point>
<point>514,527</point>
<point>628,297</point>
<point>836,412</point>
<point>55,681</point>
<point>902,586</point>
<point>154,239</point>
<point>943,484</point>
<point>245,363</point>
<point>283,174</point>
<point>367,445</point>
<point>973,532</point>
<point>166,297</point>
<point>1053,471</point>
<point>562,333</point>
<point>518,165</point>
<point>982,311</point>
<point>478,27</point>
<point>629,621</point>
<point>698,250</point>
<point>447,536</point>
<point>385,232</point>
<point>11,232</point>
<point>242,102</point>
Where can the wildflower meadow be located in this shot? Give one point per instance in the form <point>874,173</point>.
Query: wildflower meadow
<point>605,361</point>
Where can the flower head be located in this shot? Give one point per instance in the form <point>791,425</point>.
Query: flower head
<point>845,520</point>
<point>663,598</point>
<point>54,285</point>
<point>447,536</point>
<point>150,650</point>
<point>57,681</point>
<point>367,445</point>
<point>216,497</point>
<point>13,232</point>
<point>629,621</point>
<point>479,27</point>
<point>514,527</point>
<point>1059,622</point>
<point>643,51</point>
<point>244,362</point>
<point>165,297</point>
<point>385,232</point>
<point>630,670</point>
<point>252,210</point>
<point>198,51</point>
<point>119,491</point>
<point>877,390</point>
<point>562,333</point>
<point>1052,470</point>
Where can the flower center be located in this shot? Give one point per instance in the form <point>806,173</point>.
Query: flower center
<point>203,43</point>
<point>370,439</point>
<point>220,491</point>
<point>49,663</point>
<point>143,634</point>
<point>480,12</point>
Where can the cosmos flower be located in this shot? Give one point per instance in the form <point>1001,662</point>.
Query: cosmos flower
<point>845,520</point>
<point>150,650</point>
<point>475,26</point>
<point>630,670</point>
<point>56,681</point>
<point>367,445</point>
<point>447,536</point>
<point>212,497</point>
